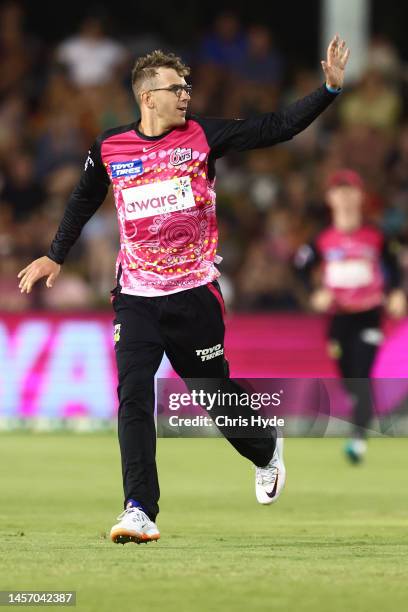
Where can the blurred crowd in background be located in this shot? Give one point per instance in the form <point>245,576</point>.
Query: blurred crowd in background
<point>55,101</point>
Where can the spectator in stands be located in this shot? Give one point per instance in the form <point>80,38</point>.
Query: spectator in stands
<point>21,191</point>
<point>13,124</point>
<point>15,61</point>
<point>91,57</point>
<point>266,280</point>
<point>221,49</point>
<point>256,75</point>
<point>374,103</point>
<point>59,145</point>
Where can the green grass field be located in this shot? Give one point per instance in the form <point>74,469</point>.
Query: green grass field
<point>336,540</point>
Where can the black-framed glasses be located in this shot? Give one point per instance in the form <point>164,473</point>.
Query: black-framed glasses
<point>176,89</point>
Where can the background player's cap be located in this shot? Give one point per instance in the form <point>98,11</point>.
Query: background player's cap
<point>345,176</point>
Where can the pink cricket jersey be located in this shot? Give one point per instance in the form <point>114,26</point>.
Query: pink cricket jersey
<point>165,204</point>
<point>352,267</point>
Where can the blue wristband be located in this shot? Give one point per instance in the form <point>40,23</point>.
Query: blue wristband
<point>333,90</point>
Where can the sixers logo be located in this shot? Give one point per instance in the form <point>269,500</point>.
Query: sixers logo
<point>180,156</point>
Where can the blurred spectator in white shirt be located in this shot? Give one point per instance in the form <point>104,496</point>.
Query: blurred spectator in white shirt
<point>91,56</point>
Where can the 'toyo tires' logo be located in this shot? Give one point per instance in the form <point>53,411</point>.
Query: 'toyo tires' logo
<point>180,156</point>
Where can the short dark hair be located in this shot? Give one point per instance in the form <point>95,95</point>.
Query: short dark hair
<point>146,67</point>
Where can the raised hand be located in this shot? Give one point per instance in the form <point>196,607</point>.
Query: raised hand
<point>44,266</point>
<point>334,67</point>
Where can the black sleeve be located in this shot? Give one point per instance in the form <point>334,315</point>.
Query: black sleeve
<point>306,259</point>
<point>84,201</point>
<point>391,267</point>
<point>264,130</point>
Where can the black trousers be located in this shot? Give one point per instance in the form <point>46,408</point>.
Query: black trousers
<point>178,324</point>
<point>357,338</point>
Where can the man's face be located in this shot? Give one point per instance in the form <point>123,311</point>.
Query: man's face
<point>345,199</point>
<point>169,104</point>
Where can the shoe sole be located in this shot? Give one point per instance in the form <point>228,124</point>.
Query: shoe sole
<point>123,536</point>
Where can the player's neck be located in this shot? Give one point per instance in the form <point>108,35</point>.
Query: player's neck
<point>153,126</point>
<point>346,223</point>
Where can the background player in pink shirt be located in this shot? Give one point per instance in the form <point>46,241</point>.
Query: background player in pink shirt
<point>359,275</point>
<point>167,299</point>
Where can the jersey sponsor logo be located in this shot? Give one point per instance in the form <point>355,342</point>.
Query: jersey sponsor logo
<point>158,198</point>
<point>89,162</point>
<point>180,156</point>
<point>210,353</point>
<point>126,168</point>
<point>116,333</point>
<point>349,274</point>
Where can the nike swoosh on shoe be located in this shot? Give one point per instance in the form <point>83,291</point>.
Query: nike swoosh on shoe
<point>273,492</point>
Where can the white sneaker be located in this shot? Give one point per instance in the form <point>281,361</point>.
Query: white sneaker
<point>134,526</point>
<point>355,450</point>
<point>270,480</point>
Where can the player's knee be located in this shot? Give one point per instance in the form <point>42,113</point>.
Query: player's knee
<point>136,394</point>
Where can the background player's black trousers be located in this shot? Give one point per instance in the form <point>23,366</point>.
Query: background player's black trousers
<point>178,324</point>
<point>358,336</point>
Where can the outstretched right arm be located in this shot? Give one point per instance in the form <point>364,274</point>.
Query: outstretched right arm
<point>84,201</point>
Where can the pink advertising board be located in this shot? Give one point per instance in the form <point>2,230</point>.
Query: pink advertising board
<point>63,365</point>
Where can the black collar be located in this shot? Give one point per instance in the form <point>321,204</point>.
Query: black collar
<point>144,137</point>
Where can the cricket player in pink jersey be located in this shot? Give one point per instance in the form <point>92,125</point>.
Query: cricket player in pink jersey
<point>360,275</point>
<point>167,298</point>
